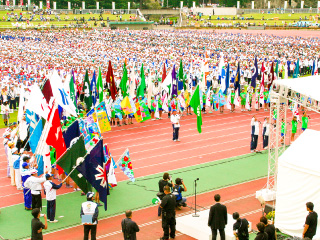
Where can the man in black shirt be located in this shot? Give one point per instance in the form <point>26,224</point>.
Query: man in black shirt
<point>162,183</point>
<point>240,227</point>
<point>168,205</point>
<point>36,225</point>
<point>129,227</point>
<point>269,229</point>
<point>261,234</point>
<point>310,226</point>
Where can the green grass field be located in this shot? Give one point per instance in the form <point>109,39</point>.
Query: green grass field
<point>137,195</point>
<point>13,118</point>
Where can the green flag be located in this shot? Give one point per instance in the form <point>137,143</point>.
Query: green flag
<point>296,70</point>
<point>87,91</point>
<point>195,104</point>
<point>142,86</point>
<point>69,161</point>
<point>277,69</point>
<point>100,86</point>
<point>181,77</point>
<point>72,92</point>
<point>124,80</point>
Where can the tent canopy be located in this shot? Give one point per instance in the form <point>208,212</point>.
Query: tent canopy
<point>298,183</point>
<point>309,86</point>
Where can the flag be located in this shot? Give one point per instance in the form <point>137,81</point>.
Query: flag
<point>59,93</point>
<point>248,102</point>
<point>142,85</point>
<point>110,80</point>
<point>145,114</point>
<point>138,114</point>
<point>165,106</point>
<point>124,81</point>
<point>272,76</point>
<point>32,119</point>
<point>167,83</point>
<point>261,96</point>
<point>229,101</point>
<point>215,101</point>
<point>181,77</point>
<point>174,82</point>
<point>37,102</point>
<point>164,73</point>
<point>222,99</point>
<point>237,80</point>
<point>227,80</point>
<point>195,104</point>
<point>93,168</point>
<point>296,72</point>
<point>255,73</point>
<point>69,161</point>
<point>55,137</point>
<point>102,116</point>
<point>47,91</point>
<point>100,86</point>
<point>316,67</point>
<point>73,95</point>
<point>277,70</point>
<point>125,165</point>
<point>111,166</point>
<point>72,132</point>
<point>186,97</point>
<point>87,98</point>
<point>35,136</point>
<point>126,106</point>
<point>93,88</point>
<point>132,83</point>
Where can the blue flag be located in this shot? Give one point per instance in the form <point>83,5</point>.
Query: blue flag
<point>255,74</point>
<point>31,119</point>
<point>93,86</point>
<point>71,133</point>
<point>222,99</point>
<point>237,80</point>
<point>35,137</point>
<point>313,67</point>
<point>93,168</point>
<point>226,79</point>
<point>40,164</point>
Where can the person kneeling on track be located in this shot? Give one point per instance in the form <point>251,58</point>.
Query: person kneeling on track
<point>177,189</point>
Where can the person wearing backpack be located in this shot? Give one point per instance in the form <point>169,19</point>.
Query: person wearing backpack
<point>240,227</point>
<point>177,189</point>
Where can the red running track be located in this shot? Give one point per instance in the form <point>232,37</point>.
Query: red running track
<point>153,151</point>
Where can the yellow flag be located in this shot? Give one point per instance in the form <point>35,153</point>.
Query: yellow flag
<point>103,121</point>
<point>186,97</point>
<point>126,106</point>
<point>137,115</point>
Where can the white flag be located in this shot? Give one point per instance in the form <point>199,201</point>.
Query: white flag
<point>37,103</point>
<point>61,95</point>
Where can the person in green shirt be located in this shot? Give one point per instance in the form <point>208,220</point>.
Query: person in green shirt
<point>305,120</point>
<point>204,100</point>
<point>153,108</point>
<point>265,98</point>
<point>232,94</point>
<point>294,127</point>
<point>160,107</point>
<point>243,100</point>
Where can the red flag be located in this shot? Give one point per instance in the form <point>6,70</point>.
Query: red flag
<point>47,91</point>
<point>272,76</point>
<point>164,73</point>
<point>55,137</point>
<point>110,80</point>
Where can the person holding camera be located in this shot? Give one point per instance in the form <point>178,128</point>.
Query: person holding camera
<point>240,227</point>
<point>165,181</point>
<point>177,189</point>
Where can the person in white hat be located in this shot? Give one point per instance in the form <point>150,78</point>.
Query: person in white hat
<point>90,208</point>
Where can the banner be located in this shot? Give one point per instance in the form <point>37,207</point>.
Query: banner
<point>103,118</point>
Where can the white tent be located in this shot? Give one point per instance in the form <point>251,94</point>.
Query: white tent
<point>308,86</point>
<point>298,183</point>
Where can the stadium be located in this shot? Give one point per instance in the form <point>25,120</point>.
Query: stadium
<point>159,119</point>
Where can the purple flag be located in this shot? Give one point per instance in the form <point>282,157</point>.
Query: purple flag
<point>174,82</point>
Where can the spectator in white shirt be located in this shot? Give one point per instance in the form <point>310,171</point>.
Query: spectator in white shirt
<point>175,120</point>
<point>265,132</point>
